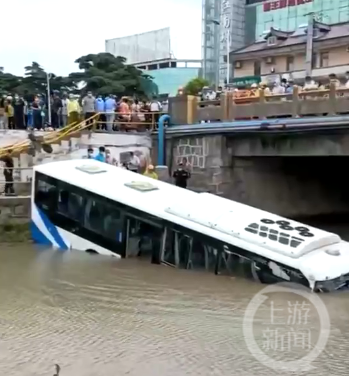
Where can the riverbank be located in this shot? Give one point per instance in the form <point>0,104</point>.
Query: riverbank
<point>15,232</point>
<point>14,219</point>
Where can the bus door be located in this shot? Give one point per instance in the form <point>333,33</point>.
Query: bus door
<point>169,247</point>
<point>142,239</point>
<point>187,252</point>
<point>232,262</point>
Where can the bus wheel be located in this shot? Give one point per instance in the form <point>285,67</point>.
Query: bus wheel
<point>91,251</point>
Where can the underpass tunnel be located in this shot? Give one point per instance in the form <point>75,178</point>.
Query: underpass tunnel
<point>293,187</point>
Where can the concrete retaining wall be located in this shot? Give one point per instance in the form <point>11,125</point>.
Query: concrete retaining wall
<point>14,209</point>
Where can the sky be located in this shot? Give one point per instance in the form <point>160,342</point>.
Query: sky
<point>56,34</point>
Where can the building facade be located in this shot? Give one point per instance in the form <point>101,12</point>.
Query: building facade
<point>283,54</point>
<point>223,29</point>
<point>171,74</point>
<point>153,45</point>
<point>210,40</point>
<point>289,15</point>
<point>232,32</point>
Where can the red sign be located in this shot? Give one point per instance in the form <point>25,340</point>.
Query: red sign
<point>279,4</point>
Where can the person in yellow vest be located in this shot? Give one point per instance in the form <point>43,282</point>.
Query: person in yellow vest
<point>150,172</point>
<point>73,110</point>
<point>10,113</point>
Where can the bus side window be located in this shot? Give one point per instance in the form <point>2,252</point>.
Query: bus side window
<point>94,216</point>
<point>46,196</point>
<point>103,219</point>
<point>70,205</point>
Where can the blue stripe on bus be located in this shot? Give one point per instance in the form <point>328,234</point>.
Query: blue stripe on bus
<point>37,235</point>
<point>53,231</point>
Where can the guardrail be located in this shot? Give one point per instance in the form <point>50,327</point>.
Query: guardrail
<point>190,110</point>
<point>94,123</point>
<point>129,121</point>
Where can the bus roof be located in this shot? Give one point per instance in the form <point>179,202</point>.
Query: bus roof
<point>241,225</point>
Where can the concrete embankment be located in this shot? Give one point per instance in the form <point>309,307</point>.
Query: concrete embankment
<point>14,219</point>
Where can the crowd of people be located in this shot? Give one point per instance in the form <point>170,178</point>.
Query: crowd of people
<point>283,86</point>
<point>24,112</point>
<point>134,164</point>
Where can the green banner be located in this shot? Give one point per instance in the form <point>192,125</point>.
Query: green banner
<point>246,81</point>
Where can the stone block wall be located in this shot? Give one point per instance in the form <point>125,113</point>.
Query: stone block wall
<point>14,210</point>
<point>209,160</point>
<point>257,181</point>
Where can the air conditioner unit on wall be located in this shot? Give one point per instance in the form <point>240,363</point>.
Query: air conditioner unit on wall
<point>269,60</point>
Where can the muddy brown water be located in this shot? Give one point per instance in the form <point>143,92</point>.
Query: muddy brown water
<point>96,315</point>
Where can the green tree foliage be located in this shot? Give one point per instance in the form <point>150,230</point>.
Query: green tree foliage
<point>101,73</point>
<point>107,74</point>
<point>194,86</point>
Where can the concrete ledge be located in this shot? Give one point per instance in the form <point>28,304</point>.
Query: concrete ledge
<point>15,209</point>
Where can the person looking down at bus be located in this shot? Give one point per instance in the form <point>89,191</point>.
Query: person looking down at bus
<point>181,176</point>
<point>89,153</point>
<point>101,155</point>
<point>134,162</point>
<point>150,172</point>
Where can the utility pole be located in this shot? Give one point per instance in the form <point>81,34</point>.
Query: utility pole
<point>48,77</point>
<point>228,57</point>
<point>309,45</point>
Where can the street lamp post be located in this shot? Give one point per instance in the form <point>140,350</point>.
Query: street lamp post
<point>48,77</point>
<point>228,57</point>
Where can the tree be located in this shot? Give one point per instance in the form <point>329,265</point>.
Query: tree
<point>194,86</point>
<point>8,82</point>
<point>106,74</point>
<point>101,73</point>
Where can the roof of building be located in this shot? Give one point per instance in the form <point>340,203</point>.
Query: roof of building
<point>288,39</point>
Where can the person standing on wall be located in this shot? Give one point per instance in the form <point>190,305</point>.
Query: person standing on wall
<point>155,109</point>
<point>109,109</point>
<point>181,176</point>
<point>134,162</point>
<point>150,172</point>
<point>64,110</point>
<point>8,173</point>
<point>10,113</point>
<point>73,110</point>
<point>88,107</point>
<point>2,112</point>
<point>56,108</point>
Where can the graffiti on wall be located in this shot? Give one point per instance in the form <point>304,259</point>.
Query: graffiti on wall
<point>195,149</point>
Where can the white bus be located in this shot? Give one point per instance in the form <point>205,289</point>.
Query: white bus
<point>98,208</point>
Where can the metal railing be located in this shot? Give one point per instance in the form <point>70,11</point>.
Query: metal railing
<point>190,110</point>
<point>132,120</point>
<point>94,123</point>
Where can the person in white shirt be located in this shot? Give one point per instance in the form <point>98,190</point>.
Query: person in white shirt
<point>278,89</point>
<point>309,84</point>
<point>155,108</point>
<point>134,162</point>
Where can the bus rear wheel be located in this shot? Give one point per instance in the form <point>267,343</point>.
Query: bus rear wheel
<point>91,251</point>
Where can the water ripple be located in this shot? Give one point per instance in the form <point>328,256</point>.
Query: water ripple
<point>96,316</point>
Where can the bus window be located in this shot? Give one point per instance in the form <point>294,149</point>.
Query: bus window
<point>46,196</point>
<point>202,256</point>
<point>184,245</point>
<point>231,262</point>
<point>70,205</point>
<point>104,220</point>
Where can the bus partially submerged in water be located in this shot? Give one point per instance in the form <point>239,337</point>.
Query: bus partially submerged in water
<point>99,208</point>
